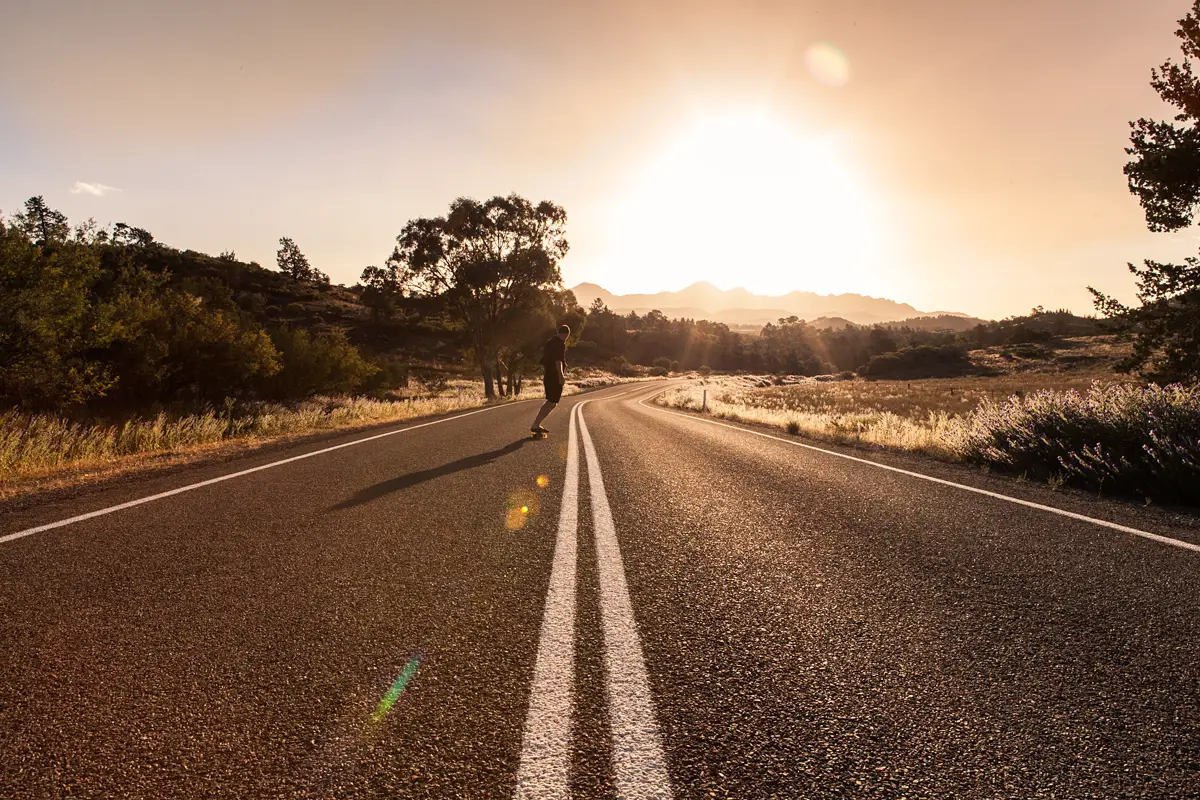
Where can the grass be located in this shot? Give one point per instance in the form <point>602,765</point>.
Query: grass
<point>42,451</point>
<point>1054,425</point>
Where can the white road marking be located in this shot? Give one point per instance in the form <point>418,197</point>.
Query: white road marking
<point>637,753</point>
<point>180,490</point>
<point>1027,503</point>
<point>545,751</point>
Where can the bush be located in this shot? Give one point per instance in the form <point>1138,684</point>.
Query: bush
<point>1143,441</point>
<point>433,382</point>
<point>619,366</point>
<point>663,363</point>
<point>322,363</point>
<point>659,372</point>
<point>705,370</point>
<point>922,361</point>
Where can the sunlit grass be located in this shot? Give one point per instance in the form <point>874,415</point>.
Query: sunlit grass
<point>34,447</point>
<point>1111,436</point>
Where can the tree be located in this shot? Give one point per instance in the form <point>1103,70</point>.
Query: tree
<point>130,236</point>
<point>42,224</point>
<point>489,263</point>
<point>382,290</point>
<point>1165,176</point>
<point>50,322</point>
<point>295,264</point>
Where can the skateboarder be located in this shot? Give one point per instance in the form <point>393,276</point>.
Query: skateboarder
<point>554,360</point>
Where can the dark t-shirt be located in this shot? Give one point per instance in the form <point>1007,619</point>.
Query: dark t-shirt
<point>555,349</point>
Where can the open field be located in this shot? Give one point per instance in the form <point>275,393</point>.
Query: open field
<point>916,415</point>
<point>1079,423</point>
<point>46,451</point>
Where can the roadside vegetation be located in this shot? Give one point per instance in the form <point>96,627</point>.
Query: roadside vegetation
<point>1072,427</point>
<point>37,450</point>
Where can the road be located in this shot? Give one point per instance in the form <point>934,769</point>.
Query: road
<point>646,604</point>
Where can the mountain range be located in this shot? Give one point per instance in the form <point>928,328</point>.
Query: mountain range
<point>742,307</point>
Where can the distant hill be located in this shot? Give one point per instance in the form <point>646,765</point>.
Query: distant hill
<point>742,307</point>
<point>940,322</point>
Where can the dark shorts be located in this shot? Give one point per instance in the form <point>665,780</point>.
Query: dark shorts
<point>553,388</point>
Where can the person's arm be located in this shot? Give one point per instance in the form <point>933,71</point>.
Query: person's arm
<point>562,372</point>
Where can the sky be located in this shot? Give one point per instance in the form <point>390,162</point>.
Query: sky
<point>952,154</point>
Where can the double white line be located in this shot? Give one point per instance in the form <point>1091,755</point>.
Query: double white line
<point>638,764</point>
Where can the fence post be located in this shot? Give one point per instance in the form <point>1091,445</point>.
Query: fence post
<point>704,407</point>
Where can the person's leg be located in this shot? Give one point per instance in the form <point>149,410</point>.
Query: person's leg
<point>546,408</point>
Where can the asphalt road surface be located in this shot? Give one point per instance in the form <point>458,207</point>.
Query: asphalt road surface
<point>645,605</point>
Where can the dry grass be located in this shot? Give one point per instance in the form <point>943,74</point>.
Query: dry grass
<point>46,451</point>
<point>919,415</point>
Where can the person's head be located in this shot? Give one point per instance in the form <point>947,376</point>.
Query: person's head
<point>563,332</point>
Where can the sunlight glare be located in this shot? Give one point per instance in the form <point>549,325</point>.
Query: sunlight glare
<point>744,200</point>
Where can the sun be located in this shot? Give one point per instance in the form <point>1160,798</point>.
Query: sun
<point>744,200</point>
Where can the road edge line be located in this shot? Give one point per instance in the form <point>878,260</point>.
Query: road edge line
<point>996,495</point>
<point>221,478</point>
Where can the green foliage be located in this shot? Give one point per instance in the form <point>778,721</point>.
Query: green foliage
<point>41,224</point>
<point>489,265</point>
<point>178,349</point>
<point>1122,439</point>
<point>1165,176</point>
<point>49,320</point>
<point>1166,326</point>
<point>317,363</point>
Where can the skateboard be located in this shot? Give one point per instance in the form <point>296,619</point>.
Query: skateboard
<point>538,434</point>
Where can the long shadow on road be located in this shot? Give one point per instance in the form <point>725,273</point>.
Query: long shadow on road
<point>413,478</point>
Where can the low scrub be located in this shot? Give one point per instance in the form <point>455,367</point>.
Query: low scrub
<point>922,361</point>
<point>35,447</point>
<point>1141,441</point>
<point>1137,440</point>
<point>41,444</point>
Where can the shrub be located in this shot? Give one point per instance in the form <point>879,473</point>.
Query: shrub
<point>922,361</point>
<point>793,427</point>
<point>433,382</point>
<point>663,363</point>
<point>321,363</point>
<point>1143,441</point>
<point>619,366</point>
<point>705,370</point>
<point>659,372</point>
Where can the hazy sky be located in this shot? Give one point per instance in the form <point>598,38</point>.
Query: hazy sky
<point>953,154</point>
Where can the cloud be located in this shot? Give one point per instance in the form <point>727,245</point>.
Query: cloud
<point>97,189</point>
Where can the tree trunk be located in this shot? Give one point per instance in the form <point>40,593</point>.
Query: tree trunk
<point>489,388</point>
<point>500,384</point>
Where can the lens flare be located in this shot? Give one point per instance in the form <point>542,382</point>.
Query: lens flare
<point>397,688</point>
<point>522,504</point>
<point>827,64</point>
<point>543,481</point>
